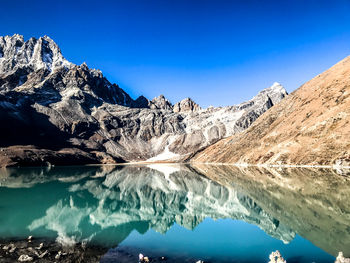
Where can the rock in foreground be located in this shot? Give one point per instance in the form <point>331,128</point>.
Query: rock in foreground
<point>45,251</point>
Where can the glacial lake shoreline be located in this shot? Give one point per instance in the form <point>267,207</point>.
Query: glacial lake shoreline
<point>143,163</point>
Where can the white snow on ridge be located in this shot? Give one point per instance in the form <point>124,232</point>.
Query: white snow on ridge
<point>40,53</point>
<point>166,155</point>
<point>276,84</point>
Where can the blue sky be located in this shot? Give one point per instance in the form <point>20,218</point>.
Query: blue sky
<point>216,52</point>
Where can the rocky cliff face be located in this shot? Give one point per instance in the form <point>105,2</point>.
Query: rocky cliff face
<point>310,127</point>
<point>186,105</point>
<point>50,103</point>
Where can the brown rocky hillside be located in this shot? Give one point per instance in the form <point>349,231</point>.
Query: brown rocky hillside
<point>309,127</point>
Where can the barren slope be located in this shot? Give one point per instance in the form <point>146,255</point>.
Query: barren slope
<point>309,127</point>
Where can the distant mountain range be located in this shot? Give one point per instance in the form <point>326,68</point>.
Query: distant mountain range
<point>55,112</point>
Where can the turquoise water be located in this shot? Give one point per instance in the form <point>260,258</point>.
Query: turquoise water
<point>225,240</point>
<point>238,216</point>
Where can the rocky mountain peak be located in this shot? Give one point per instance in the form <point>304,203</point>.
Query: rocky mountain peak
<point>276,92</point>
<point>141,102</point>
<point>84,66</point>
<point>269,96</point>
<point>37,67</point>
<point>33,54</point>
<point>160,103</point>
<point>186,105</point>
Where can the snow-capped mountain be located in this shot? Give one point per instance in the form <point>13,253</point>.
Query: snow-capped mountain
<point>50,103</point>
<point>42,53</point>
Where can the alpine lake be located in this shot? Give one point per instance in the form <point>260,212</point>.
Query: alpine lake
<point>174,213</point>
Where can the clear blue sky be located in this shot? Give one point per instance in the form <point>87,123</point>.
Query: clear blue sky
<point>216,52</point>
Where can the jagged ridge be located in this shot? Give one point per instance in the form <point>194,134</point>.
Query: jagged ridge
<point>51,103</point>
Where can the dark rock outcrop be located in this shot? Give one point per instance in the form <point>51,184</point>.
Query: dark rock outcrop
<point>160,103</point>
<point>186,105</point>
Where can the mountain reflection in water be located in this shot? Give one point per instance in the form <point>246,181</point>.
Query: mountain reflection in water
<point>104,204</point>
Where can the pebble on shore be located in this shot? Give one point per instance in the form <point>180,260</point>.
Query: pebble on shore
<point>143,259</point>
<point>276,257</point>
<point>25,258</point>
<point>341,259</point>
